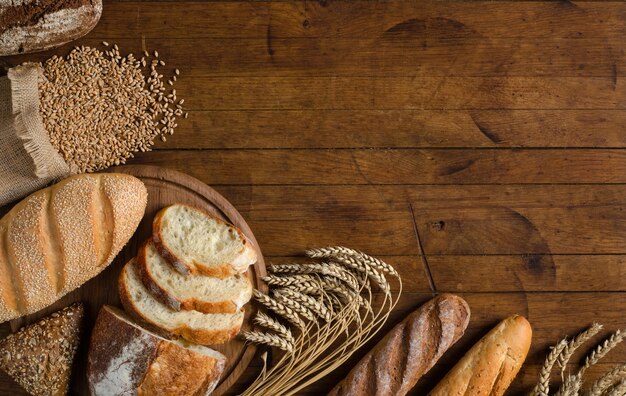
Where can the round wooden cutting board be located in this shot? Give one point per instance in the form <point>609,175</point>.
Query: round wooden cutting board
<point>165,187</point>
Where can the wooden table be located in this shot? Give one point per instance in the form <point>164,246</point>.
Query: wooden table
<point>476,146</point>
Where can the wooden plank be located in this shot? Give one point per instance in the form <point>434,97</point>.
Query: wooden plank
<point>562,219</point>
<point>528,273</point>
<point>382,93</point>
<point>400,129</point>
<point>361,19</point>
<point>411,166</point>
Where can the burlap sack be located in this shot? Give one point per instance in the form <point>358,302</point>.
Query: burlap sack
<point>28,161</point>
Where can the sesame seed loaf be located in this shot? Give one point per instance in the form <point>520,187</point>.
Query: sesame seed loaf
<point>126,359</point>
<point>57,238</point>
<point>195,242</point>
<point>193,326</point>
<point>39,357</point>
<point>36,25</point>
<point>202,293</point>
<point>493,362</point>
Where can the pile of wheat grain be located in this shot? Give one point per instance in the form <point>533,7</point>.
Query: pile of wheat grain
<point>100,108</point>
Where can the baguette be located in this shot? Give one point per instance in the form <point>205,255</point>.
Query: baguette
<point>125,359</point>
<point>492,364</point>
<point>409,350</point>
<point>57,238</point>
<point>193,326</point>
<point>202,293</point>
<point>196,243</point>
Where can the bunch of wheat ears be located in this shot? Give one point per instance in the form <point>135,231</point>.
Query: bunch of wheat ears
<point>612,383</point>
<point>320,314</point>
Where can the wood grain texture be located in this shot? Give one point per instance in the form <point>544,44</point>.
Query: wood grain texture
<point>477,146</point>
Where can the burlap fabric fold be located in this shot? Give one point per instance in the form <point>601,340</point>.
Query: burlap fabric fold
<point>28,161</point>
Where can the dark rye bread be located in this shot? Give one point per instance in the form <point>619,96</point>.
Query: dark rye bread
<point>126,359</point>
<point>36,25</point>
<point>409,350</point>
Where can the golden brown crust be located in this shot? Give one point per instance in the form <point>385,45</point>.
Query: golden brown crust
<point>491,365</point>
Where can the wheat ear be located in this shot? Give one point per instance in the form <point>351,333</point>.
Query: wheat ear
<point>607,380</point>
<point>543,386</point>
<point>279,308</point>
<point>574,344</point>
<point>270,323</point>
<point>601,350</point>
<point>268,339</point>
<point>571,386</point>
<point>295,305</point>
<point>362,267</point>
<point>309,302</point>
<point>338,251</point>
<point>619,389</point>
<point>289,280</point>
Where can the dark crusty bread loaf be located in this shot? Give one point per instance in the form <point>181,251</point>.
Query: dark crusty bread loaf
<point>39,357</point>
<point>57,238</point>
<point>491,365</point>
<point>37,25</point>
<point>125,359</point>
<point>409,350</point>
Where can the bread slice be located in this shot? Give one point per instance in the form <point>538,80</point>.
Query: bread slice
<point>194,326</point>
<point>39,357</point>
<point>126,359</point>
<point>195,242</point>
<point>194,292</point>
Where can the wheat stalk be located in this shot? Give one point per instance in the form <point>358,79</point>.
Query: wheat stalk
<point>603,383</point>
<point>268,339</point>
<point>270,323</point>
<point>543,386</point>
<point>574,344</point>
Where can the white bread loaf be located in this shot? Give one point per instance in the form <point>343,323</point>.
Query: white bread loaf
<point>57,238</point>
<point>491,365</point>
<point>195,242</point>
<point>202,293</point>
<point>194,326</point>
<point>126,359</point>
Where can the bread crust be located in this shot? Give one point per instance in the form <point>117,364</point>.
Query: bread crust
<point>409,350</point>
<point>490,366</point>
<point>171,301</point>
<point>154,366</point>
<point>224,270</point>
<point>197,336</point>
<point>59,262</point>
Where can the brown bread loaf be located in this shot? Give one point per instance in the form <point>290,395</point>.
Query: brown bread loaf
<point>491,365</point>
<point>37,25</point>
<point>409,350</point>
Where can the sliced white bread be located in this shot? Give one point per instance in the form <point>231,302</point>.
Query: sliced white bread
<point>195,242</point>
<point>202,293</point>
<point>194,326</point>
<point>126,359</point>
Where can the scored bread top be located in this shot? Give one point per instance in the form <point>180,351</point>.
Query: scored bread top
<point>59,237</point>
<point>490,366</point>
<point>195,242</point>
<point>198,292</point>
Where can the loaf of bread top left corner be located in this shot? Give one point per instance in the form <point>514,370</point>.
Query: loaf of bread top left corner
<point>57,238</point>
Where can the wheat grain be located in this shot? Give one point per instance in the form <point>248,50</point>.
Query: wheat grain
<point>290,280</point>
<point>307,301</point>
<point>268,339</point>
<point>601,350</point>
<point>574,344</point>
<point>543,386</point>
<point>294,305</point>
<point>330,269</point>
<point>618,390</point>
<point>371,272</point>
<point>270,323</point>
<point>602,384</point>
<point>279,308</point>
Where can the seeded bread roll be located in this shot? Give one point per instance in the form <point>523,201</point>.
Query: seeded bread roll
<point>491,365</point>
<point>37,25</point>
<point>39,357</point>
<point>56,239</point>
<point>126,359</point>
<point>409,350</point>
